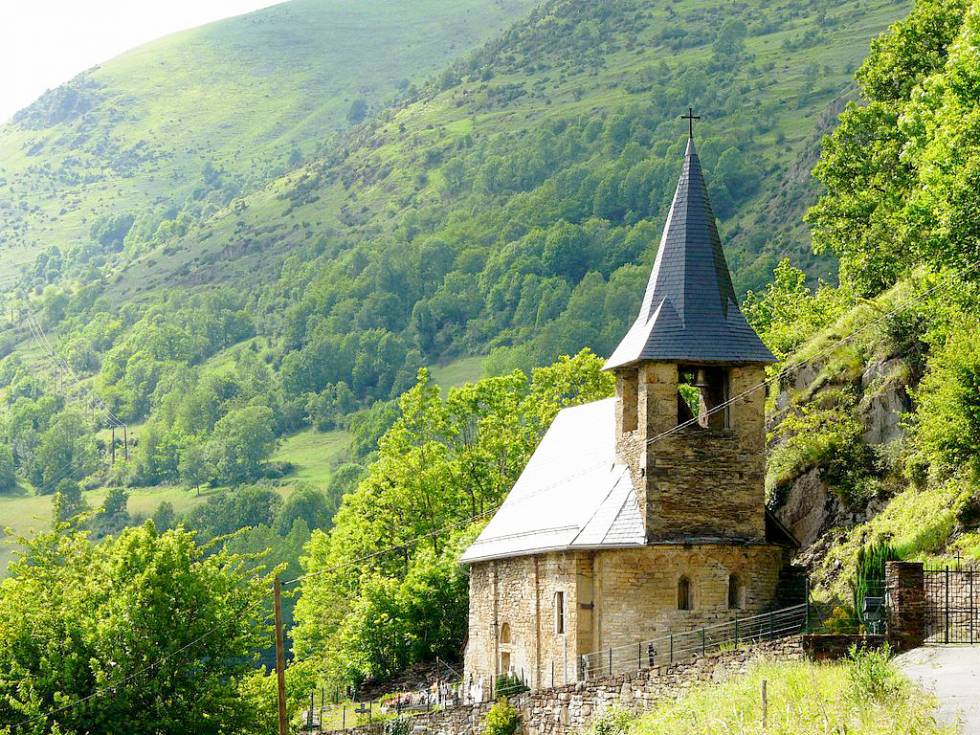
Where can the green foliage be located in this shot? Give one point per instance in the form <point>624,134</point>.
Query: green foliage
<point>611,721</point>
<point>804,698</point>
<point>787,312</point>
<point>872,674</point>
<point>304,503</point>
<point>8,470</point>
<point>229,511</point>
<point>76,617</point>
<point>900,170</point>
<point>442,464</point>
<point>67,502</point>
<point>241,440</point>
<point>824,434</point>
<point>947,420</point>
<point>869,573</point>
<point>502,719</point>
<point>65,448</point>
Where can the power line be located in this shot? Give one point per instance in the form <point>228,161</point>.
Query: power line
<point>62,366</point>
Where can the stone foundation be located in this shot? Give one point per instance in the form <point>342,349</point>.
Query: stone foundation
<point>570,708</point>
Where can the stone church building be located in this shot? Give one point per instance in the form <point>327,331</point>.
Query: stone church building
<point>642,514</point>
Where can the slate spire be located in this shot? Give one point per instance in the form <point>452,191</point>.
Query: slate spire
<point>689,311</point>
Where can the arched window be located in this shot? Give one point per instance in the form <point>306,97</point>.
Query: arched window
<point>683,594</point>
<point>505,633</point>
<point>734,592</point>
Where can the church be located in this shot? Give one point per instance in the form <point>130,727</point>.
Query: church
<point>643,514</point>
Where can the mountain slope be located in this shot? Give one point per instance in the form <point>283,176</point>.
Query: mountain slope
<point>505,208</point>
<point>246,97</point>
<point>771,101</point>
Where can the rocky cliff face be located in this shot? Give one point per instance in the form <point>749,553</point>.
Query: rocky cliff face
<point>809,501</point>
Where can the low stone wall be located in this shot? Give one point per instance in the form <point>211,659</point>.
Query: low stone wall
<point>835,646</point>
<point>570,708</point>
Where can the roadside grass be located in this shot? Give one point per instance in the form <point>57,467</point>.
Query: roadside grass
<point>804,698</point>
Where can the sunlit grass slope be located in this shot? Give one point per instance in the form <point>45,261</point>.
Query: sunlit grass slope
<point>247,95</point>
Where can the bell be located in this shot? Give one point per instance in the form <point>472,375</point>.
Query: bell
<point>701,379</point>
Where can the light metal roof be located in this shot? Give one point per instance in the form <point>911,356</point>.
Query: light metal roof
<point>571,495</point>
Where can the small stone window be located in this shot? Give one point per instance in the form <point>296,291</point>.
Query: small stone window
<point>684,594</point>
<point>700,392</point>
<point>505,662</point>
<point>505,633</point>
<point>736,599</point>
<point>560,613</point>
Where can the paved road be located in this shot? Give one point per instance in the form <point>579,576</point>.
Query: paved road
<point>953,674</point>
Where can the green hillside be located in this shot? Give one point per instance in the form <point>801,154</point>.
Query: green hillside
<point>247,97</point>
<point>769,95</point>
<point>506,207</point>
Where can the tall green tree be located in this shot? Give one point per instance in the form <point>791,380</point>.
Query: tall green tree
<point>442,462</point>
<point>144,629</point>
<point>242,439</point>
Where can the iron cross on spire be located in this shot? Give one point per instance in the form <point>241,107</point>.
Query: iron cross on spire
<point>690,117</point>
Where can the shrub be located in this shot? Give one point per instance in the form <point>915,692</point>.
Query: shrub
<point>502,719</point>
<point>398,726</point>
<point>614,721</point>
<point>872,674</point>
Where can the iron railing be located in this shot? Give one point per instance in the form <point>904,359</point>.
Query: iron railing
<point>952,598</point>
<point>681,646</point>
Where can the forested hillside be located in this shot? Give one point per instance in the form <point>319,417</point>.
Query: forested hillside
<point>502,207</point>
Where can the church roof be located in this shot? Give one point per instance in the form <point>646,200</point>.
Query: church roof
<point>689,310</point>
<point>571,495</point>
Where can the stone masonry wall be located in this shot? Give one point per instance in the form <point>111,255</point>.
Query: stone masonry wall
<point>513,620</point>
<point>570,708</point>
<point>697,482</point>
<point>637,590</point>
<point>612,598</point>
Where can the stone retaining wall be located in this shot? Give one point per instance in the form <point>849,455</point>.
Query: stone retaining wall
<point>570,708</point>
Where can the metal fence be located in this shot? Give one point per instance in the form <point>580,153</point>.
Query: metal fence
<point>682,646</point>
<point>952,599</point>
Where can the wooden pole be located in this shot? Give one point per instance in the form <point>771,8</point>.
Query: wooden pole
<point>125,443</point>
<point>280,660</point>
<point>765,706</point>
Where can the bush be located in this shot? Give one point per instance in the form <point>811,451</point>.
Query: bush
<point>502,719</point>
<point>872,674</point>
<point>611,722</point>
<point>398,726</point>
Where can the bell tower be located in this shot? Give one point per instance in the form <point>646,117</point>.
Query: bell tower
<point>690,417</point>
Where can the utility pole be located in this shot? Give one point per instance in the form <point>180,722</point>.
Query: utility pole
<point>280,660</point>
